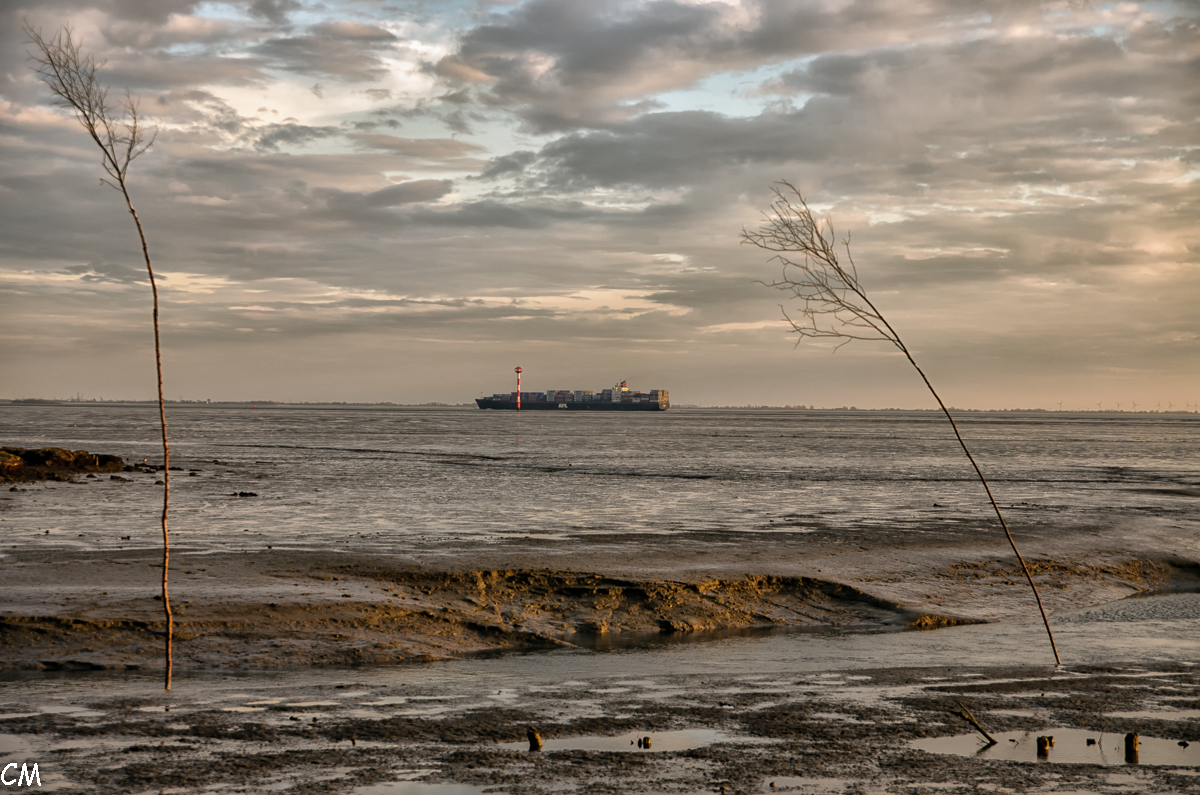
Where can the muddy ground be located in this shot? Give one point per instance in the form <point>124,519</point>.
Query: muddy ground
<point>81,632</point>
<point>811,733</point>
<point>78,609</point>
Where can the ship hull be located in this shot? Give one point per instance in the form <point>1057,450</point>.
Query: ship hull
<point>574,405</point>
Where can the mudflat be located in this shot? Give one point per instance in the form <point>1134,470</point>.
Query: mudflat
<point>373,731</point>
<point>262,608</point>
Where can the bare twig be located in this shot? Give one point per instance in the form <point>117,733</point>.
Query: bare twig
<point>969,718</point>
<point>71,75</point>
<point>834,304</point>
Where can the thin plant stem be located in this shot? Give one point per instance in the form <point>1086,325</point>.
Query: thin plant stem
<point>995,507</point>
<point>162,416</point>
<point>71,76</point>
<point>834,304</point>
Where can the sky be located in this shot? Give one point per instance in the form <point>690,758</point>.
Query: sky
<point>379,200</point>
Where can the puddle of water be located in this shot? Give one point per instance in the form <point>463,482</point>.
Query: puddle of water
<point>312,704</point>
<point>805,785</point>
<point>408,783</point>
<point>419,788</point>
<point>1070,745</point>
<point>683,740</point>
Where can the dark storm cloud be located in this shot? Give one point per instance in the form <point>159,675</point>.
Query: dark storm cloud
<point>343,49</point>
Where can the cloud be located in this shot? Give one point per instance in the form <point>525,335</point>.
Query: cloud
<point>269,137</point>
<point>343,49</point>
<point>567,65</point>
<point>423,148</point>
<point>151,10</point>
<point>676,149</point>
<point>1020,181</point>
<point>113,272</point>
<point>418,190</point>
<point>275,11</point>
<point>513,163</point>
<point>177,29</point>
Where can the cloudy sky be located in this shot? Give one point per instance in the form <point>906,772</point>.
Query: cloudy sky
<point>379,200</point>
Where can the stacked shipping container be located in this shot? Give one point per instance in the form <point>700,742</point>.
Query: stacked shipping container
<point>618,397</point>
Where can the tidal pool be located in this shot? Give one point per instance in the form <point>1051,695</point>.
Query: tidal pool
<point>1070,746</point>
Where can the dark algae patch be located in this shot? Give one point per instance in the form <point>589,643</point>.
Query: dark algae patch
<point>21,465</point>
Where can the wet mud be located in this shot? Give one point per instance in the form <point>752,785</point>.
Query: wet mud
<point>822,732</point>
<point>80,611</point>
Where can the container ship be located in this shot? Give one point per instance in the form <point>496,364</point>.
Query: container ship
<point>619,398</point>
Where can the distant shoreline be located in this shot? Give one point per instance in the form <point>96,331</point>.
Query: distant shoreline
<point>274,404</point>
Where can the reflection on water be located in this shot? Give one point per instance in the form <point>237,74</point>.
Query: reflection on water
<point>1070,746</point>
<point>421,788</point>
<point>683,740</point>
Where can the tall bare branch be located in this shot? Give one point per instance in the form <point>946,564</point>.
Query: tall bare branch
<point>834,304</point>
<point>72,76</point>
